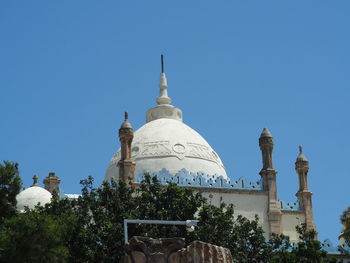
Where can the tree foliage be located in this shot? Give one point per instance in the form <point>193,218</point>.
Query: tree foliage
<point>35,237</point>
<point>345,220</point>
<point>10,185</point>
<point>307,250</point>
<point>245,238</point>
<point>90,229</point>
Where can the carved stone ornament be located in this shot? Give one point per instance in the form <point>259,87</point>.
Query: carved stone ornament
<point>173,250</point>
<point>178,149</point>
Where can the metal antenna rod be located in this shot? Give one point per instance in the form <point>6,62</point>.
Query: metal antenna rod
<point>162,62</point>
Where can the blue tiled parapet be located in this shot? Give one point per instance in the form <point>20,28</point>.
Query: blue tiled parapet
<point>186,178</point>
<point>291,206</point>
<point>331,249</point>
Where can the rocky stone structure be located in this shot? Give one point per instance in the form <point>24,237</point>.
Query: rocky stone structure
<point>173,250</point>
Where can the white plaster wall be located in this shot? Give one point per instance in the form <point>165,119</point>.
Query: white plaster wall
<point>247,205</point>
<point>289,222</point>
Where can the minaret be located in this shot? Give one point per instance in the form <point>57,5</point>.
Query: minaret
<point>304,195</point>
<point>52,183</point>
<point>163,109</point>
<point>268,174</point>
<point>126,164</point>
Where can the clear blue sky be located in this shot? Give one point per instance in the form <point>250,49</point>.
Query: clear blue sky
<point>68,70</point>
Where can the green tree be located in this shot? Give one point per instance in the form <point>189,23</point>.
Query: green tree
<point>99,232</point>
<point>307,250</point>
<point>10,186</point>
<point>98,235</point>
<point>90,229</point>
<point>35,237</point>
<point>245,238</point>
<point>345,220</point>
<point>154,201</point>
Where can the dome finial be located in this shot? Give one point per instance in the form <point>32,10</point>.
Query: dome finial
<point>126,124</point>
<point>301,157</point>
<point>35,180</point>
<point>163,85</point>
<point>162,62</point>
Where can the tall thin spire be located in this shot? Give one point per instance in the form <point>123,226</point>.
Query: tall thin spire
<point>163,109</point>
<point>163,85</point>
<point>162,63</point>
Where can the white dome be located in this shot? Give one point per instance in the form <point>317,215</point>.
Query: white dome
<point>31,196</point>
<point>165,142</point>
<point>170,144</point>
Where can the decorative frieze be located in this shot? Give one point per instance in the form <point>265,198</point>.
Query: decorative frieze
<point>177,149</point>
<point>199,179</point>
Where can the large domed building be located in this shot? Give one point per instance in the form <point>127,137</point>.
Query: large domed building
<point>171,150</point>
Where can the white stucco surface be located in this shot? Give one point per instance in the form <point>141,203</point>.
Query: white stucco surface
<point>171,144</point>
<point>289,222</point>
<point>247,205</point>
<point>32,196</point>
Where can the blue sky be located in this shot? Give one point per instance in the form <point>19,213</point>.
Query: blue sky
<point>69,69</point>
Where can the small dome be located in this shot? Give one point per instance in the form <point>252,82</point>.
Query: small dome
<point>126,124</point>
<point>32,196</point>
<point>301,156</point>
<point>266,133</point>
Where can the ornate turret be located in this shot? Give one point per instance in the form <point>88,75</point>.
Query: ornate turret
<point>52,183</point>
<point>304,195</point>
<point>266,146</point>
<point>126,164</point>
<point>268,174</point>
<point>302,168</point>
